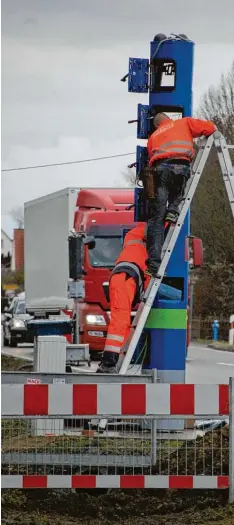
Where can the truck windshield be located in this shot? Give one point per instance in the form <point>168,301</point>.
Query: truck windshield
<point>20,308</point>
<point>106,251</point>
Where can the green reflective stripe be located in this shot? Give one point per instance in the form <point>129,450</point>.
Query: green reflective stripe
<point>168,319</point>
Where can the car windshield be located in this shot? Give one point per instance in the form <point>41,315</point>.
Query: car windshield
<point>106,251</point>
<point>20,308</point>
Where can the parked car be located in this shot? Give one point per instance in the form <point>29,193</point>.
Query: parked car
<point>15,323</point>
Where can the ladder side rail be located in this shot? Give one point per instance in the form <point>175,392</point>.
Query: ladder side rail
<point>227,168</point>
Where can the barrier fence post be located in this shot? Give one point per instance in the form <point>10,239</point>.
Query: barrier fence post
<point>154,427</point>
<point>231,441</point>
<point>231,330</point>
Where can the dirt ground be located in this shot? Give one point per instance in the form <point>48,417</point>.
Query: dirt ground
<point>146,507</point>
<point>39,507</point>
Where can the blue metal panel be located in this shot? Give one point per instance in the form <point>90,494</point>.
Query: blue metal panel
<point>140,206</point>
<point>143,125</point>
<point>142,158</point>
<point>178,266</point>
<point>168,349</point>
<point>138,75</point>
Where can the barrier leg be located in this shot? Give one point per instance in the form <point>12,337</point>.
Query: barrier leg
<point>231,330</point>
<point>154,427</point>
<point>231,441</point>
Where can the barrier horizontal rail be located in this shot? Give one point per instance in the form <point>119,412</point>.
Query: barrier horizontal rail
<point>82,378</point>
<point>115,482</point>
<point>115,399</point>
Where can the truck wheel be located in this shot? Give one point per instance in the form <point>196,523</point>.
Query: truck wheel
<point>5,340</point>
<point>13,342</point>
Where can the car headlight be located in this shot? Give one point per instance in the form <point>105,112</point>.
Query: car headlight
<point>17,323</point>
<point>95,319</point>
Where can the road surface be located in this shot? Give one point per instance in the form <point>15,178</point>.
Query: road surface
<point>204,365</point>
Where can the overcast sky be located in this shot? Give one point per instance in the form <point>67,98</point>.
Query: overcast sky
<point>62,98</point>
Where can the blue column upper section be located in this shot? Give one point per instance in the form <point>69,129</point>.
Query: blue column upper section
<point>180,54</point>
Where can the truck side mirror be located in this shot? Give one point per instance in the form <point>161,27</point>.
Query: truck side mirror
<point>75,257</point>
<point>90,242</point>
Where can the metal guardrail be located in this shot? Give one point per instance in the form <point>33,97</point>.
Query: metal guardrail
<point>47,440</point>
<point>24,378</point>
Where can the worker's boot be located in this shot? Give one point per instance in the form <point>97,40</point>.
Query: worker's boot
<point>152,272</point>
<point>108,363</point>
<point>106,369</point>
<point>172,216</point>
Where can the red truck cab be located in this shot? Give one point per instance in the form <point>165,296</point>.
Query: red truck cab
<point>104,214</point>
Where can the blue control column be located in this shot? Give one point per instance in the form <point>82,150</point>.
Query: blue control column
<point>167,77</point>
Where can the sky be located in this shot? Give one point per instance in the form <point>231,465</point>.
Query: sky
<point>62,99</point>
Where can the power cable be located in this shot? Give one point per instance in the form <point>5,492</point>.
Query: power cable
<point>67,163</point>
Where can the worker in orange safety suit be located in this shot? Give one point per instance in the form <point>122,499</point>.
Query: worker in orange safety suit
<point>127,283</point>
<point>170,151</point>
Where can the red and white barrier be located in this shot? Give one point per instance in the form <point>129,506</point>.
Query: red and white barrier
<point>114,399</point>
<point>231,330</point>
<point>115,482</point>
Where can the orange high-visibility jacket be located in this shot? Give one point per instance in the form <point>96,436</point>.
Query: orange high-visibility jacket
<point>174,138</point>
<point>132,259</point>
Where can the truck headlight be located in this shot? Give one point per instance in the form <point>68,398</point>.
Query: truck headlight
<point>95,319</point>
<point>17,323</point>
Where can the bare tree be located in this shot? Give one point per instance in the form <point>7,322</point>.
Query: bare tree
<point>130,176</point>
<point>18,216</point>
<point>218,105</point>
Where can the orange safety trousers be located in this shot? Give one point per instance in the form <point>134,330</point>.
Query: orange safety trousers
<point>122,294</point>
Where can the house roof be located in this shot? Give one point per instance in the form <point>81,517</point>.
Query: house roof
<point>2,231</point>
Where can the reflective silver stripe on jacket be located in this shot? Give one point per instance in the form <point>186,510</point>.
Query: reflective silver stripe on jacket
<point>134,267</point>
<point>184,142</point>
<point>114,337</point>
<point>134,242</point>
<point>109,348</point>
<point>173,148</point>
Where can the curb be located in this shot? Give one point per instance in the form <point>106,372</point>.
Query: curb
<point>223,348</point>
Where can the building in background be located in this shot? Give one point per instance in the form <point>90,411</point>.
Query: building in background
<point>6,250</point>
<point>6,244</point>
<point>18,250</point>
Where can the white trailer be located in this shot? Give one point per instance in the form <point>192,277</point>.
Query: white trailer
<point>48,223</point>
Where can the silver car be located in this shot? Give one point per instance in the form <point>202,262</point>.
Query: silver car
<point>15,323</point>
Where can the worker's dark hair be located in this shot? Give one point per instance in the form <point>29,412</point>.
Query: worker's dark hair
<point>157,118</point>
<point>161,113</point>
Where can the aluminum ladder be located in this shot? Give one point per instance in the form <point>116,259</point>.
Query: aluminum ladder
<point>146,304</point>
<point>197,169</point>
